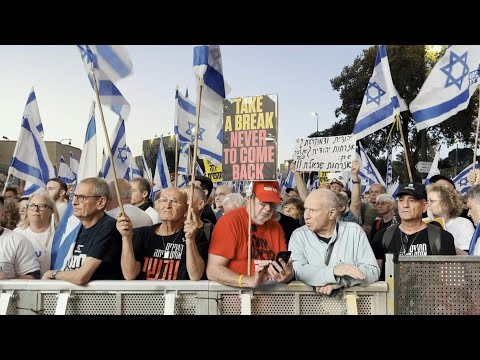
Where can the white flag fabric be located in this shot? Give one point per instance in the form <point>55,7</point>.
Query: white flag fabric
<point>147,174</point>
<point>111,63</point>
<point>88,161</point>
<point>389,177</point>
<point>69,227</point>
<point>289,182</point>
<point>118,142</point>
<point>102,164</point>
<point>30,161</point>
<point>162,175</point>
<point>74,164</point>
<point>434,169</point>
<point>392,190</point>
<point>183,158</point>
<point>134,170</point>
<point>368,173</point>
<point>64,172</point>
<point>381,101</point>
<point>448,87</point>
<point>207,60</point>
<point>185,118</point>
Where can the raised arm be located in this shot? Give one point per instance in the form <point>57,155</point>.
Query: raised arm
<point>356,200</point>
<point>301,186</point>
<point>130,266</point>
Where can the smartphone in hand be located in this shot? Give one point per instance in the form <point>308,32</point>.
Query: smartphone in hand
<point>284,255</point>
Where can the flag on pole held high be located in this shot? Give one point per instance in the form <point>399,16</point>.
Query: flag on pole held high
<point>118,142</point>
<point>74,164</point>
<point>69,227</point>
<point>162,175</point>
<point>448,87</point>
<point>134,170</point>
<point>184,118</point>
<point>147,173</point>
<point>381,101</point>
<point>461,180</point>
<point>30,161</point>
<point>102,164</point>
<point>389,177</point>
<point>64,172</point>
<point>183,158</point>
<point>207,60</point>
<point>110,63</point>
<point>434,169</point>
<point>368,173</point>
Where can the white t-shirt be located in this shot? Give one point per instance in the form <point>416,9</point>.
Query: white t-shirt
<point>138,217</point>
<point>17,256</point>
<point>42,244</point>
<point>462,231</point>
<point>153,215</point>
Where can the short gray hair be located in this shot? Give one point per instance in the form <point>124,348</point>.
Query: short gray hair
<point>100,187</point>
<point>474,193</point>
<point>234,199</point>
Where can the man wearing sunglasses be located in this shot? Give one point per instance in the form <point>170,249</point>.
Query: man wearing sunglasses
<point>97,249</point>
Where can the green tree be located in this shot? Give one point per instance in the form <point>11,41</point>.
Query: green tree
<point>409,66</point>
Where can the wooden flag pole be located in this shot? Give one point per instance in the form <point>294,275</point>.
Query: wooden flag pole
<point>110,155</point>
<point>195,148</point>
<point>6,181</point>
<point>405,148</point>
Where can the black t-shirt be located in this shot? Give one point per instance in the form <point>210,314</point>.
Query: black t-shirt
<point>103,242</point>
<point>164,257</point>
<point>288,225</point>
<point>208,215</point>
<point>383,225</point>
<point>416,244</point>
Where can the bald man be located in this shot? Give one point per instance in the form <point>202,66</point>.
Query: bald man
<point>329,254</point>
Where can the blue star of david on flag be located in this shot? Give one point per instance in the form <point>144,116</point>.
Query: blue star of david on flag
<point>378,95</point>
<point>463,182</point>
<point>120,151</point>
<point>190,131</point>
<point>449,69</point>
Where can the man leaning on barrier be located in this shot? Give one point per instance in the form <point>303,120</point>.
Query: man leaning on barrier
<point>329,254</point>
<point>228,252</point>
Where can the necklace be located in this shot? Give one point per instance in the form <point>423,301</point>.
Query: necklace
<point>405,247</point>
<point>166,254</point>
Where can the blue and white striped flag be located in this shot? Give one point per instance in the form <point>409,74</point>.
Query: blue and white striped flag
<point>147,173</point>
<point>183,158</point>
<point>474,240</point>
<point>69,227</point>
<point>207,62</point>
<point>102,165</point>
<point>111,63</point>
<point>448,87</point>
<point>368,173</point>
<point>182,181</point>
<point>30,189</point>
<point>290,181</point>
<point>30,161</point>
<point>392,190</point>
<point>461,180</point>
<point>162,175</point>
<point>381,101</point>
<point>185,118</point>
<point>134,170</point>
<point>64,172</point>
<point>121,157</point>
<point>74,164</point>
<point>198,170</point>
<point>434,169</point>
<point>389,177</point>
<point>88,161</point>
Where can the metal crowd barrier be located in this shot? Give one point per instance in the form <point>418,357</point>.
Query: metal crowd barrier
<point>433,285</point>
<point>22,297</point>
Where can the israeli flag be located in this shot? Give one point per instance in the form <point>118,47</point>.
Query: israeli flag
<point>74,164</point>
<point>182,181</point>
<point>134,170</point>
<point>448,87</point>
<point>289,181</point>
<point>434,169</point>
<point>198,170</point>
<point>162,175</point>
<point>147,174</point>
<point>381,101</point>
<point>207,62</point>
<point>389,177</point>
<point>110,63</point>
<point>30,161</point>
<point>69,227</point>
<point>185,118</point>
<point>120,154</point>
<point>64,172</point>
<point>88,161</point>
<point>183,158</point>
<point>102,165</point>
<point>279,178</point>
<point>31,189</point>
<point>368,173</point>
<point>461,180</point>
<point>392,190</point>
<point>473,241</point>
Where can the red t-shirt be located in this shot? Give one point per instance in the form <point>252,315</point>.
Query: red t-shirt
<point>230,239</point>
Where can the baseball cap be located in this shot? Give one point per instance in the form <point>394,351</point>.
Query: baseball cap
<point>267,191</point>
<point>435,178</point>
<point>414,189</point>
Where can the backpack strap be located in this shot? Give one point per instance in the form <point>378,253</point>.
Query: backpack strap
<point>434,238</point>
<point>388,235</point>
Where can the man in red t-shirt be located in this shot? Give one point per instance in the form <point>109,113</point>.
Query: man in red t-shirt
<point>228,251</point>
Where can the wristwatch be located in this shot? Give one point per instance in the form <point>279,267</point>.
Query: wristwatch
<point>54,274</point>
<point>356,182</point>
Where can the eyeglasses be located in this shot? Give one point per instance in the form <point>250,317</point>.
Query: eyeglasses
<point>39,207</point>
<point>83,198</point>
<point>165,201</point>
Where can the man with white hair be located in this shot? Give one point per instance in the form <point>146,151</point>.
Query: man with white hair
<point>220,193</point>
<point>385,205</point>
<point>138,217</point>
<point>232,201</point>
<point>329,254</point>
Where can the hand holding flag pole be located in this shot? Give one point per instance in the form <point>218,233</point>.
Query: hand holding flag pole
<point>110,155</point>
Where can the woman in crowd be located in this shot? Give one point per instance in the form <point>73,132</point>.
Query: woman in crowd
<point>39,225</point>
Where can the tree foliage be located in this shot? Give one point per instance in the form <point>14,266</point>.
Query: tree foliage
<point>409,66</point>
